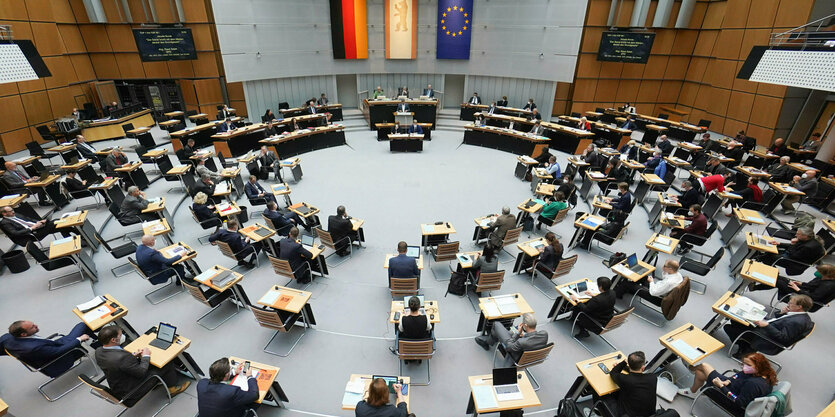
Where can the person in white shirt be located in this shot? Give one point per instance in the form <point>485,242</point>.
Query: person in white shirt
<point>657,288</point>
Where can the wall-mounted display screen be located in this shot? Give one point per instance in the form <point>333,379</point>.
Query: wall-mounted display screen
<point>632,47</point>
<point>165,44</point>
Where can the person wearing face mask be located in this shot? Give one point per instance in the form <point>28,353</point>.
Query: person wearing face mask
<point>697,226</point>
<point>804,248</point>
<point>789,326</point>
<point>622,202</point>
<point>126,371</point>
<point>756,380</point>
<point>806,183</point>
<point>23,343</point>
<point>821,289</point>
<point>216,397</point>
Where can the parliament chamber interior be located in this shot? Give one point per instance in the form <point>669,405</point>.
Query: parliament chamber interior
<point>238,208</point>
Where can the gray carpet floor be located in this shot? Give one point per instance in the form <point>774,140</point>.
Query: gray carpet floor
<point>394,194</point>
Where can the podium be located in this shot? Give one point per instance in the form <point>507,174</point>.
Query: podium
<point>404,118</point>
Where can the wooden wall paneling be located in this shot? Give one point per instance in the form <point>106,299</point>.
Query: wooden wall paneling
<point>559,107</point>
<point>721,73</point>
<point>105,66</point>
<point>20,30</point>
<point>203,39</point>
<point>61,69</point>
<point>39,10</point>
<point>632,71</point>
<point>762,14</point>
<point>187,88</point>
<point>235,91</point>
<point>165,11</point>
<point>610,69</point>
<point>591,39</point>
<point>29,86</point>
<point>16,140</point>
<point>685,42</point>
<point>765,111</point>
<point>732,127</point>
<point>121,38</point>
<point>95,37</point>
<point>773,90</point>
<point>137,12</point>
<point>728,44</point>
<point>705,42</point>
<point>687,96</point>
<point>664,40</point>
<point>195,11</point>
<point>584,89</point>
<point>627,91</point>
<point>36,106</point>
<point>751,38</point>
<point>180,69</point>
<point>581,107</point>
<point>703,97</point>
<point>696,69</point>
<point>14,116</point>
<point>793,13</point>
<point>736,13</point>
<point>13,10</point>
<point>73,42</point>
<point>208,91</point>
<point>648,92</point>
<point>156,69</point>
<point>8,89</point>
<point>764,135</point>
<point>655,67</point>
<point>563,90</point>
<point>676,68</point>
<point>61,101</point>
<point>210,109</point>
<point>714,15</point>
<point>79,11</point>
<point>669,92</point>
<point>717,122</point>
<point>626,7</point>
<point>606,90</point>
<point>105,91</point>
<point>206,65</point>
<point>718,101</point>
<point>113,11</point>
<point>597,13</point>
<point>62,11</point>
<point>130,66</point>
<point>83,67</point>
<point>239,106</point>
<point>696,115</point>
<point>743,85</point>
<point>698,16</point>
<point>588,66</point>
<point>739,107</point>
<point>47,39</point>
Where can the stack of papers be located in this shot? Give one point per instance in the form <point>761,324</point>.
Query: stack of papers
<point>621,269</point>
<point>72,213</point>
<point>686,350</point>
<point>270,297</point>
<point>242,382</point>
<point>764,278</point>
<point>484,396</point>
<point>63,240</point>
<point>222,188</point>
<point>747,309</point>
<point>89,305</point>
<point>96,313</point>
<point>507,304</point>
<point>491,309</point>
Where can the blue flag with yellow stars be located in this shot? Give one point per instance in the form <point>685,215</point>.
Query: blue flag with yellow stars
<point>455,19</point>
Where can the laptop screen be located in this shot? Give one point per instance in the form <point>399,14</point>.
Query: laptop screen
<point>413,251</point>
<point>166,332</point>
<point>307,240</point>
<point>582,286</point>
<point>390,381</point>
<point>632,260</point>
<point>504,376</point>
<point>406,300</point>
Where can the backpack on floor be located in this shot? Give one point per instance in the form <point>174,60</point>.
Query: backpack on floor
<point>616,258</point>
<point>457,283</point>
<point>527,224</point>
<point>568,408</point>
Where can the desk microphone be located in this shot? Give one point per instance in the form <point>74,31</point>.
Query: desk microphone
<point>688,329</point>
<point>618,356</point>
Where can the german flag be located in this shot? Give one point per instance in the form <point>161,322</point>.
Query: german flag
<point>348,29</point>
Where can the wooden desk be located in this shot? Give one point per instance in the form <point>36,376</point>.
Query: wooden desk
<point>112,129</point>
<point>696,338</point>
<point>95,323</point>
<point>266,379</point>
<point>797,166</point>
<point>287,299</point>
<point>62,147</point>
<point>505,139</point>
<point>43,182</point>
<point>740,218</point>
<point>623,271</point>
<point>433,234</point>
<point>366,378</point>
<point>430,308</point>
<point>186,257</point>
<point>599,202</point>
<point>528,253</point>
<point>67,247</point>
<point>486,305</point>
<point>206,278</point>
<point>529,397</point>
<point>754,272</point>
<point>580,227</point>
<point>470,259</point>
<point>230,210</point>
<point>727,300</point>
<point>600,381</point>
<point>160,358</point>
<point>12,200</point>
<point>76,166</point>
<point>539,175</point>
<point>658,243</point>
<point>559,310</point>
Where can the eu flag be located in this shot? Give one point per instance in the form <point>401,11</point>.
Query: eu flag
<point>455,20</point>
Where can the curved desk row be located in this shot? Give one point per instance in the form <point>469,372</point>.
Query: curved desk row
<point>112,129</point>
<point>503,139</point>
<point>334,109</point>
<point>243,140</point>
<point>306,140</point>
<point>468,111</point>
<point>382,111</point>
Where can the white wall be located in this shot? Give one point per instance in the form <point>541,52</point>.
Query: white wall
<point>266,94</point>
<point>294,39</point>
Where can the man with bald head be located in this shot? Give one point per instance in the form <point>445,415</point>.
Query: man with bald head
<point>16,177</point>
<point>155,265</point>
<point>807,183</point>
<point>779,148</point>
<point>26,343</point>
<point>85,149</point>
<point>781,171</point>
<point>499,228</point>
<point>18,227</point>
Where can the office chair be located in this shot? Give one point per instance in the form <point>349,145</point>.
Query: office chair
<point>75,195</point>
<point>411,350</point>
<point>326,239</point>
<point>444,252</point>
<point>103,392</point>
<point>699,267</point>
<point>81,354</point>
<point>239,256</point>
<point>282,267</point>
<point>510,237</point>
<point>682,290</point>
<point>528,359</point>
<point>214,222</point>
<point>214,301</point>
<point>402,287</point>
<point>599,329</point>
<point>603,238</point>
<point>563,267</point>
<point>43,260</point>
<point>118,252</point>
<point>171,283</point>
<point>280,321</point>
<point>759,407</point>
<point>485,282</point>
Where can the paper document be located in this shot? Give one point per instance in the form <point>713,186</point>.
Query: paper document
<point>686,350</point>
<point>72,213</point>
<point>222,188</point>
<point>63,240</point>
<point>95,313</point>
<point>540,202</point>
<point>356,386</point>
<point>663,240</point>
<point>507,305</point>
<point>484,397</point>
<point>11,196</point>
<point>764,278</point>
<point>206,275</point>
<point>242,381</point>
<point>270,298</point>
<point>89,305</point>
<point>754,219</point>
<point>428,228</point>
<point>747,309</point>
<point>660,246</point>
<point>491,309</point>
<point>621,269</point>
<point>351,398</point>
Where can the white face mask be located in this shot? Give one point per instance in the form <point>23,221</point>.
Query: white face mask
<point>122,339</point>
<point>690,213</point>
<point>804,176</point>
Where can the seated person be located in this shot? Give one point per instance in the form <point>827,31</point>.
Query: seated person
<point>553,168</point>
<point>19,227</point>
<point>396,129</point>
<point>524,337</point>
<point>498,229</point>
<point>616,171</point>
<point>24,344</point>
<point>788,327</point>
<point>550,255</point>
<point>622,202</point>
<point>629,151</point>
<point>780,171</point>
<point>416,128</point>
<point>537,128</point>
<point>240,246</point>
<point>132,206</point>
<point>544,155</point>
<point>715,182</point>
<point>342,231</point>
<point>779,148</point>
<point>636,390</point>
<point>202,170</point>
<point>152,262</point>
<point>554,205</point>
<point>811,144</point>
<point>567,188</point>
<point>85,149</point>
<point>204,210</point>
<point>664,145</point>
<point>757,379</point>
<point>584,124</point>
<point>807,183</point>
<point>654,289</point>
<point>821,289</point>
<point>487,262</point>
<point>661,168</point>
<point>116,159</point>
<point>378,92</point>
<point>268,161</point>
<point>205,186</point>
<point>752,192</point>
<point>697,226</point>
<point>600,308</point>
<point>125,371</point>
<point>714,166</point>
<point>15,179</point>
<point>735,151</point>
<point>254,190</point>
<point>653,161</point>
<point>689,195</point>
<point>74,184</point>
<point>615,221</point>
<point>283,222</point>
<point>377,402</point>
<point>226,126</point>
<point>414,325</point>
<point>190,149</point>
<point>629,124</point>
<point>216,397</point>
<point>590,157</point>
<point>290,250</point>
<point>804,248</point>
<point>403,266</point>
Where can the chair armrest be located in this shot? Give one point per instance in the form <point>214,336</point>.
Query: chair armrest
<point>694,239</point>
<point>589,317</point>
<point>76,349</point>
<point>163,271</point>
<point>787,263</point>
<point>139,386</point>
<point>761,336</point>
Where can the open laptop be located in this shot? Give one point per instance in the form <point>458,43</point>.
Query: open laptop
<point>307,242</point>
<point>413,252</point>
<point>406,300</point>
<point>632,263</point>
<point>505,385</point>
<point>165,336</point>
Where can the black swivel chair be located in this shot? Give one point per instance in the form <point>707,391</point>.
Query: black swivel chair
<point>699,267</point>
<point>52,264</point>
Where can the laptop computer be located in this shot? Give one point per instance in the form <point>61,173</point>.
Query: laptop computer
<point>632,263</point>
<point>413,252</point>
<point>505,385</point>
<point>406,300</point>
<point>390,381</point>
<point>165,336</point>
<point>307,242</point>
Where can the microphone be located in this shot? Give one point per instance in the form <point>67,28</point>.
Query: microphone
<point>687,329</point>
<point>618,356</point>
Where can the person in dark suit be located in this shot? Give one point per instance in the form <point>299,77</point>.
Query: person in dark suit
<point>280,221</point>
<point>623,201</point>
<point>665,145</point>
<point>269,161</point>
<point>403,266</point>
<point>255,190</point>
<point>397,129</point>
<point>132,206</point>
<point>502,102</point>
<point>125,371</point>
<point>110,108</point>
<point>224,112</point>
<point>290,250</point>
<point>240,246</point>
<point>311,107</point>
<point>152,261</point>
<point>226,126</point>
<point>189,150</point>
<point>629,123</point>
<point>524,338</point>
<point>789,326</point>
<point>377,402</point>
<point>116,159</point>
<point>415,127</point>
<point>747,142</point>
<point>205,186</point>
<point>428,91</point>
<point>804,248</point>
<point>475,99</point>
<point>781,171</point>
<point>636,393</point>
<point>74,184</point>
<point>500,226</point>
<point>15,179</point>
<point>630,149</point>
<point>342,231</point>
<point>779,148</point>
<point>492,109</point>
<point>19,227</point>
<point>203,208</point>
<point>689,195</point>
<point>268,116</point>
<point>86,150</point>
<point>820,289</point>
<point>323,100</point>
<point>599,308</point>
<point>530,105</point>
<point>270,130</point>
<point>216,397</point>
<point>535,115</point>
<point>402,107</point>
<point>23,343</point>
<point>735,151</point>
